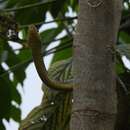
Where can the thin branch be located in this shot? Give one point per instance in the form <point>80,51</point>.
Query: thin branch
<point>66,25</point>
<point>122,85</point>
<point>54,40</point>
<point>59,48</point>
<point>52,21</point>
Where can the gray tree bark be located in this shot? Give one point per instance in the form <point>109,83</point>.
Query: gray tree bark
<point>95,98</point>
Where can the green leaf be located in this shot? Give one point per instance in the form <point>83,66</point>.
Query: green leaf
<point>11,3</point>
<point>2,42</point>
<point>49,35</point>
<point>120,68</point>
<point>4,56</point>
<point>15,95</point>
<point>65,53</point>
<point>12,60</point>
<point>124,49</point>
<point>124,37</point>
<point>31,15</point>
<point>5,96</point>
<point>15,113</point>
<point>2,126</point>
<point>54,111</point>
<point>57,7</point>
<point>73,4</point>
<point>25,54</point>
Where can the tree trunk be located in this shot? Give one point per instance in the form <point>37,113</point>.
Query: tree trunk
<point>95,98</point>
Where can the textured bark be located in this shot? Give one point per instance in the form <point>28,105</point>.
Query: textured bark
<point>95,99</point>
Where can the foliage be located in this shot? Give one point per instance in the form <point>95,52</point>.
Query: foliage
<point>15,16</point>
<point>54,111</point>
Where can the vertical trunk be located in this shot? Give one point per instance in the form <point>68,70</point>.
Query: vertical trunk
<point>95,99</point>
